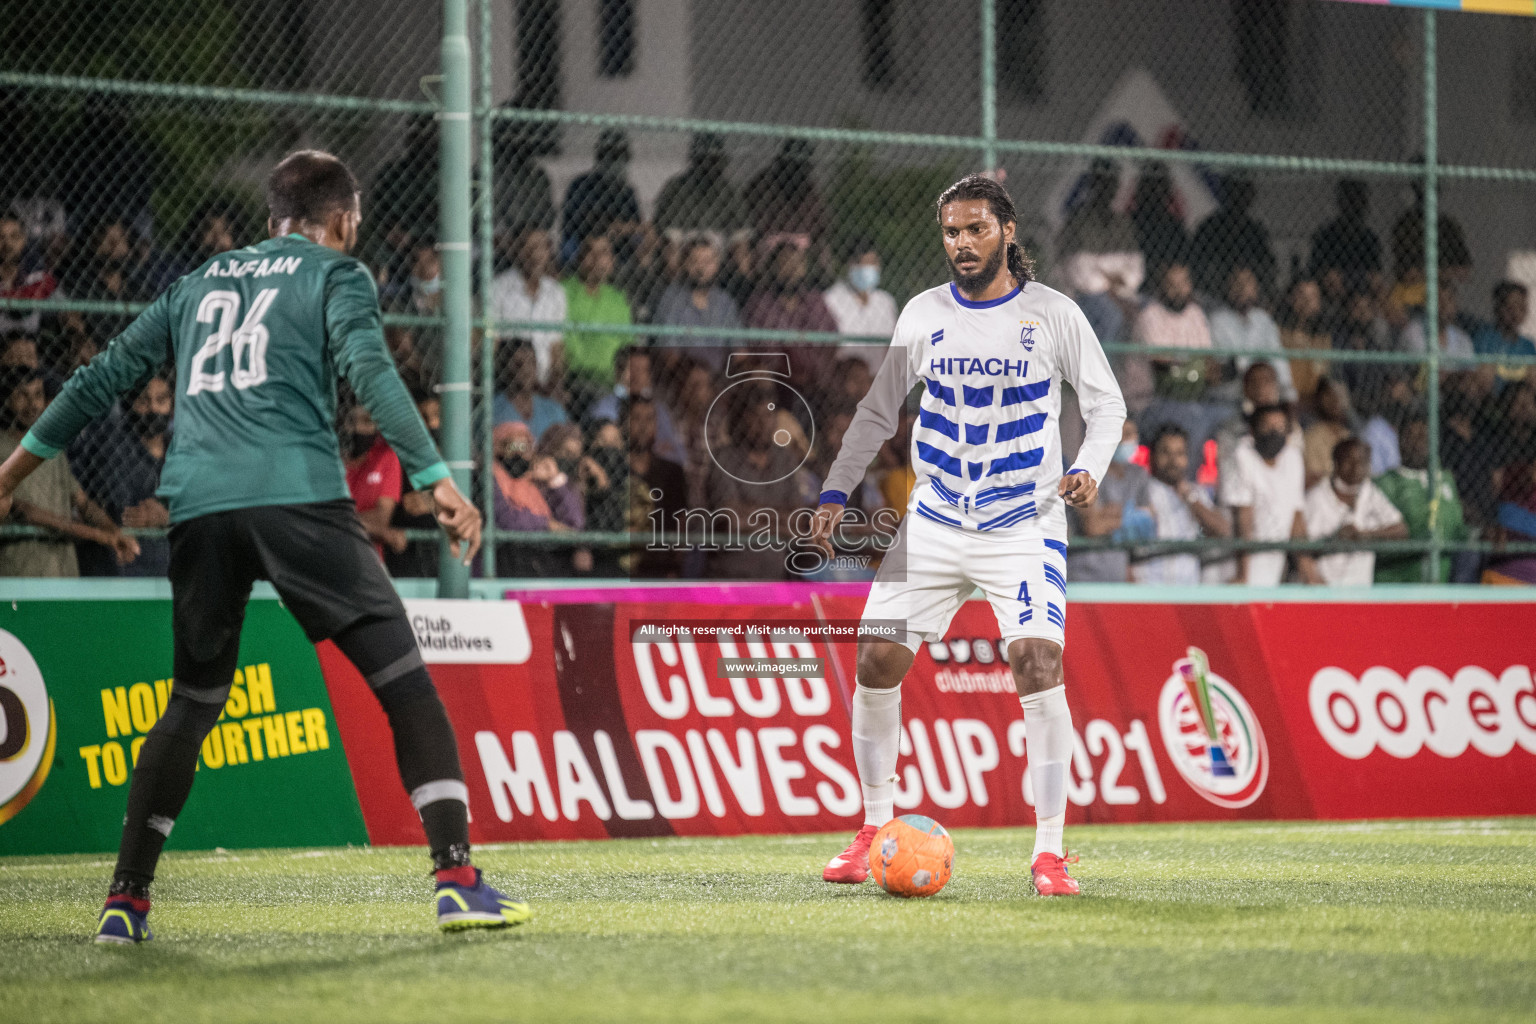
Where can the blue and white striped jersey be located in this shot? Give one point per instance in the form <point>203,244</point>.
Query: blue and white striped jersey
<point>986,446</point>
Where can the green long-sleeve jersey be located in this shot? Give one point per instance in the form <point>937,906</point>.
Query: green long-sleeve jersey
<point>259,336</point>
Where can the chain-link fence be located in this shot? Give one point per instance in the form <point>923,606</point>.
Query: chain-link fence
<point>1258,203</point>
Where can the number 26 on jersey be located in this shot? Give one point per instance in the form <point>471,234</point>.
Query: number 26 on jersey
<point>247,342</point>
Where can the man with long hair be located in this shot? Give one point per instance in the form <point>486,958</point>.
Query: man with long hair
<point>992,349</point>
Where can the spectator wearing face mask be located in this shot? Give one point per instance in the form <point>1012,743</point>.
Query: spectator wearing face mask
<point>699,301</point>
<point>859,306</point>
<point>374,480</point>
<point>1120,514</point>
<point>1181,510</point>
<point>525,483</point>
<point>1266,488</point>
<point>1348,506</point>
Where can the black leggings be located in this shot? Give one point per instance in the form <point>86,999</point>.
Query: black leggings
<point>384,652</point>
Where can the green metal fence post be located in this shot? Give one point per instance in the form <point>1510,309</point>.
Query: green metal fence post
<point>453,245</point>
<point>1432,289</point>
<point>989,85</point>
<point>486,226</point>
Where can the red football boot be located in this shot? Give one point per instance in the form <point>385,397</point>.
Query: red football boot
<point>852,865</point>
<point>1050,874</point>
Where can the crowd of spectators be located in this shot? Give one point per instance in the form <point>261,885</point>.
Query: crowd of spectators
<point>597,424</point>
<point>1269,444</point>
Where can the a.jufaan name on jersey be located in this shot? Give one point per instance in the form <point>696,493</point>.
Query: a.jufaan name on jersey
<point>253,268</point>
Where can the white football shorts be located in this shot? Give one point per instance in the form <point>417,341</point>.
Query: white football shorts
<point>931,569</point>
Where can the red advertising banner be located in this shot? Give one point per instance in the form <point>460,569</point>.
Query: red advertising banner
<point>618,719</point>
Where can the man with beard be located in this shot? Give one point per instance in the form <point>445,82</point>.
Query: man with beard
<point>51,498</point>
<point>993,349</point>
<point>657,491</point>
<point>135,474</point>
<point>1181,509</point>
<point>697,301</point>
<point>256,490</point>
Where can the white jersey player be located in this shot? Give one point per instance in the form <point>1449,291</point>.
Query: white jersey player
<point>991,351</point>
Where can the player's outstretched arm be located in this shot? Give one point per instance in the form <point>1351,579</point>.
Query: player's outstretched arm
<point>459,519</point>
<point>19,465</point>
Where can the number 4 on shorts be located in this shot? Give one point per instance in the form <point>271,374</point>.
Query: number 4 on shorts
<point>1028,612</point>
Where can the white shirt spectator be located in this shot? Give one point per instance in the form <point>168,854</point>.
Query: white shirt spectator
<point>1156,324</point>
<point>1175,521</point>
<point>1327,513</point>
<point>1254,331</point>
<point>875,317</point>
<point>510,301</point>
<point>1275,493</point>
<point>1457,341</point>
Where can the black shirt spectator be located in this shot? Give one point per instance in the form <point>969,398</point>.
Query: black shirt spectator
<point>601,199</point>
<point>1160,231</point>
<point>1231,237</point>
<point>701,197</point>
<point>1345,251</point>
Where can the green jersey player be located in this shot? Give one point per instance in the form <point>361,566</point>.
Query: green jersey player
<point>256,490</point>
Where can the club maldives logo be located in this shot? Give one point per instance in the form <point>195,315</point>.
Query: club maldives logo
<point>27,727</point>
<point>1211,734</point>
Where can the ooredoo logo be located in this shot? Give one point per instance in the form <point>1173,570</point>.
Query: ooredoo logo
<point>1427,710</point>
<point>27,727</point>
<point>1211,734</point>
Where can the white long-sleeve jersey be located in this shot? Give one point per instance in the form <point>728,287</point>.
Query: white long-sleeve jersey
<point>986,446</point>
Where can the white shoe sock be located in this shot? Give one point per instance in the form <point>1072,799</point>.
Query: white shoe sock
<point>876,741</point>
<point>1048,740</point>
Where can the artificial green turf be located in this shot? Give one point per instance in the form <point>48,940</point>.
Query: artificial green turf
<point>1351,922</point>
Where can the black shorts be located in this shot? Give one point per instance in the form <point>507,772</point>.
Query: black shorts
<point>317,557</point>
